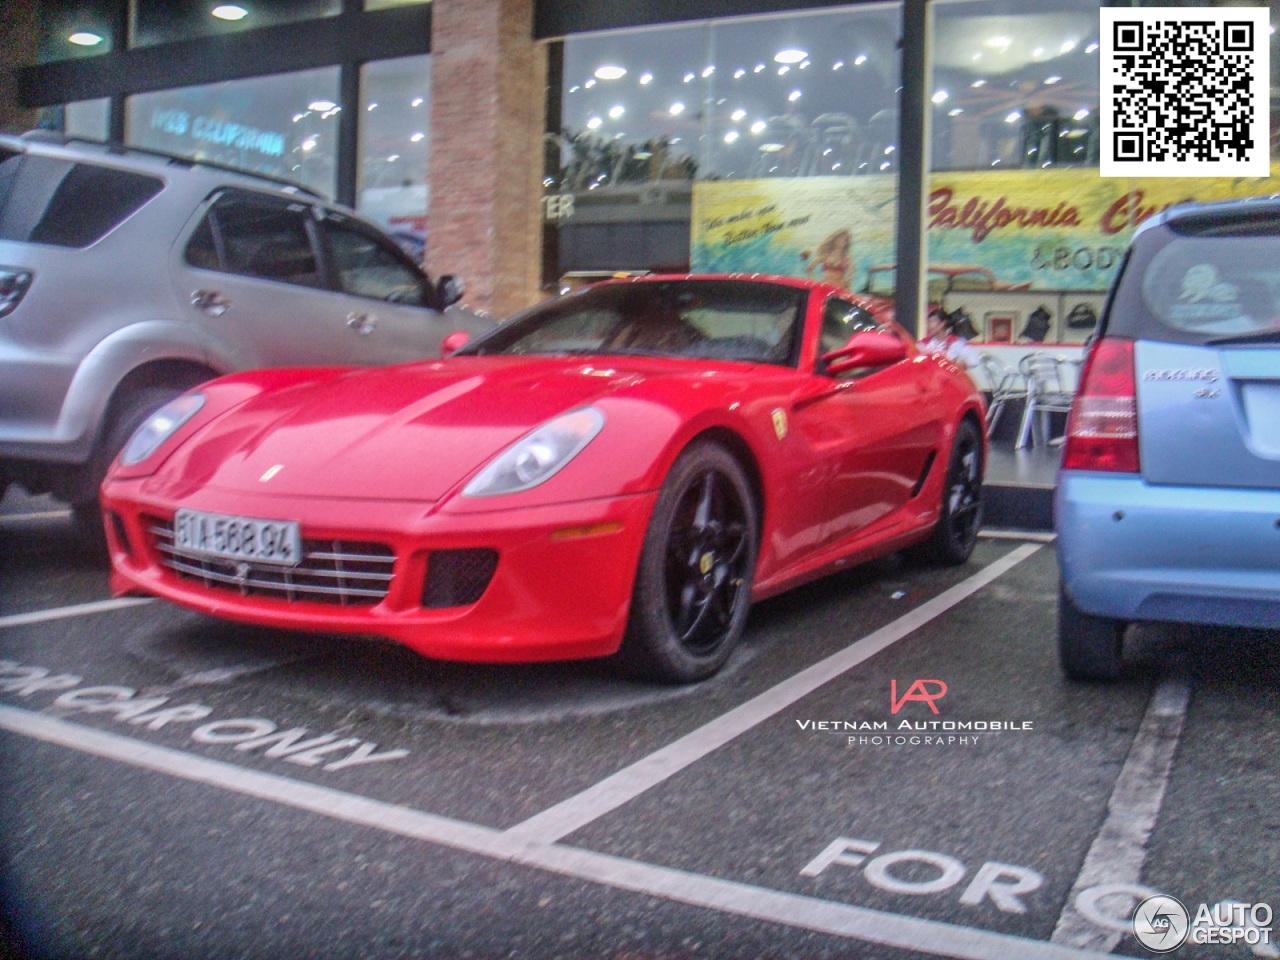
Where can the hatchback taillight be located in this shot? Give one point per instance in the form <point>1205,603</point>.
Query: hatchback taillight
<point>1102,430</point>
<point>13,287</point>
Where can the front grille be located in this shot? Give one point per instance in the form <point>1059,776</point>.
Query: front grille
<point>347,573</point>
<point>457,578</point>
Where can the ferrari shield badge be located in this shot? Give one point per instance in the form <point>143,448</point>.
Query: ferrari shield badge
<point>780,423</point>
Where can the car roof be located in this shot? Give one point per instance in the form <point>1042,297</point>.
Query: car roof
<point>1188,216</point>
<point>53,143</point>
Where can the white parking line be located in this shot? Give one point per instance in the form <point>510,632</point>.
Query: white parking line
<point>577,811</point>
<point>1120,849</point>
<point>759,903</point>
<point>79,610</point>
<point>15,519</point>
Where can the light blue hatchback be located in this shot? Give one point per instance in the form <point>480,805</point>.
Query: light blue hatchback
<point>1168,501</point>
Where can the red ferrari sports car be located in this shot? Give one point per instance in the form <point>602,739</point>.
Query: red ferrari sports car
<point>620,470</point>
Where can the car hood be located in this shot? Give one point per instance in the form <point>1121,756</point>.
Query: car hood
<point>411,432</point>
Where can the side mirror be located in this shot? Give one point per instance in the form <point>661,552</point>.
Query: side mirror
<point>866,349</point>
<point>449,290</point>
<point>454,341</point>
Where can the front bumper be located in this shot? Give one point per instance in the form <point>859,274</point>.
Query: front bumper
<point>561,588</point>
<point>1130,550</point>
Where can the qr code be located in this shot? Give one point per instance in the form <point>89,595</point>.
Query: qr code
<point>1185,92</point>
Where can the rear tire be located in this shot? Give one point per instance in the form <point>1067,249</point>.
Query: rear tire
<point>1089,647</point>
<point>693,583</point>
<point>956,532</point>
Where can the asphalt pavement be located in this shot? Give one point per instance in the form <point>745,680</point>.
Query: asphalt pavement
<point>891,766</point>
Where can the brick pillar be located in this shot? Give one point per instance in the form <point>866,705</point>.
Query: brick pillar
<point>488,80</point>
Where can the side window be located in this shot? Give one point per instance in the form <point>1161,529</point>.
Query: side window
<point>368,266</point>
<point>256,237</point>
<point>43,200</point>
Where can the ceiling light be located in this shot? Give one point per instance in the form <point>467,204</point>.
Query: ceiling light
<point>731,136</point>
<point>783,71</point>
<point>321,106</point>
<point>739,73</point>
<point>689,78</point>
<point>794,96</point>
<point>85,39</point>
<point>676,109</point>
<point>617,111</point>
<point>372,106</point>
<point>646,78</point>
<point>590,83</point>
<point>955,112</point>
<point>759,127</point>
<point>737,115</point>
<point>940,97</point>
<point>417,138</point>
<point>594,123</point>
<point>610,72</point>
<point>417,102</point>
<point>790,55</point>
<point>861,59</point>
<point>1050,81</point>
<point>759,67</point>
<point>708,72</point>
<point>229,11</point>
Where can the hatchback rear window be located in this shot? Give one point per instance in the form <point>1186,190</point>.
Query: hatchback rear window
<point>66,204</point>
<point>1208,287</point>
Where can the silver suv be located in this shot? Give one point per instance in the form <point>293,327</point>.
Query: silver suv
<point>127,277</point>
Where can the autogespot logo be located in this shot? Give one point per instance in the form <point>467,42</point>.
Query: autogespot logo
<point>1161,923</point>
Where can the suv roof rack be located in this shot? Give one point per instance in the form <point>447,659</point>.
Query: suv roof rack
<point>177,159</point>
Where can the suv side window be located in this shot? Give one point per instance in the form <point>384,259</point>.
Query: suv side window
<point>367,266</point>
<point>66,204</point>
<point>257,236</point>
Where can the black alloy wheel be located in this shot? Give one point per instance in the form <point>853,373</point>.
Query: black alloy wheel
<point>956,533</point>
<point>693,586</point>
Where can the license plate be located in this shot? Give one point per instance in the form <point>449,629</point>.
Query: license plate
<point>237,538</point>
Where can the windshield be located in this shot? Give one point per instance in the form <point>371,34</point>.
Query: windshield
<point>741,320</point>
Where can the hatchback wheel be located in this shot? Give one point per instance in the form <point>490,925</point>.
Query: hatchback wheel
<point>1089,647</point>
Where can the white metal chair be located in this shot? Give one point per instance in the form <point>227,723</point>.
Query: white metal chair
<point>1004,383</point>
<point>1050,389</point>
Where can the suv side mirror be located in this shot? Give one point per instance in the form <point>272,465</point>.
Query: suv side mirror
<point>866,349</point>
<point>449,290</point>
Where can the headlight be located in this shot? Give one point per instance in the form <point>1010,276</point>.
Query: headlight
<point>538,456</point>
<point>159,427</point>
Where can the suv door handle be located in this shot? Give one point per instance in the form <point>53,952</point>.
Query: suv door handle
<point>362,323</point>
<point>211,302</point>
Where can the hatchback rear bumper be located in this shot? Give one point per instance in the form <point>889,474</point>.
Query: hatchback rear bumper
<point>1135,551</point>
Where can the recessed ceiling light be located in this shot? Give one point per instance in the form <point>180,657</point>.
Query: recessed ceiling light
<point>85,39</point>
<point>321,106</point>
<point>610,72</point>
<point>676,109</point>
<point>229,11</point>
<point>646,78</point>
<point>790,55</point>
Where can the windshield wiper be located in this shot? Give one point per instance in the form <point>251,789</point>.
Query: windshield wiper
<point>1263,336</point>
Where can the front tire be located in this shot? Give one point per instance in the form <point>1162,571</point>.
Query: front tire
<point>1089,647</point>
<point>693,583</point>
<point>125,415</point>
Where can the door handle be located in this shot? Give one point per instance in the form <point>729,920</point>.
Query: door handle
<point>362,323</point>
<point>211,302</point>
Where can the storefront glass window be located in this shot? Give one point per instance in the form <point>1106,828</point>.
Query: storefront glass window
<point>395,127</point>
<point>86,118</point>
<point>385,4</point>
<point>284,125</point>
<point>763,143</point>
<point>166,21</point>
<point>70,31</point>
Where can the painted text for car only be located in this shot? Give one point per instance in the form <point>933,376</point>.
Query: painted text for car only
<point>328,751</point>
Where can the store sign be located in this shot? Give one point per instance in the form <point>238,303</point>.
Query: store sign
<point>1043,230</point>
<point>205,129</point>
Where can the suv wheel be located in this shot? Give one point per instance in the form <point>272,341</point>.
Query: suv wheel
<point>125,415</point>
<point>1089,647</point>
